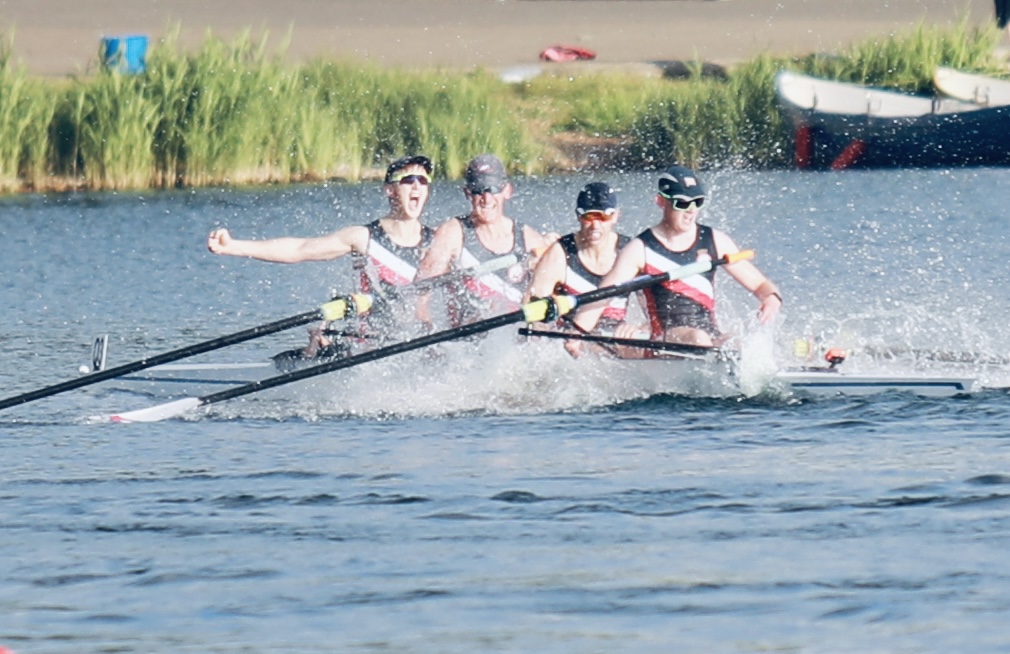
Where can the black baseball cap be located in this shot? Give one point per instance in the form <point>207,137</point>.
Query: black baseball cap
<point>485,172</point>
<point>596,196</point>
<point>404,162</point>
<point>680,183</point>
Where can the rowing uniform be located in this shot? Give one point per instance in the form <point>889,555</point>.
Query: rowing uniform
<point>688,302</point>
<point>383,268</point>
<point>494,292</point>
<point>579,279</point>
<point>386,265</point>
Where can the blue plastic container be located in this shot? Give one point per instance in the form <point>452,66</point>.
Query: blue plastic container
<point>126,54</point>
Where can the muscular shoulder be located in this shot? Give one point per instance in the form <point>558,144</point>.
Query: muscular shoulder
<point>723,243</point>
<point>451,228</point>
<point>447,240</point>
<point>355,237</point>
<point>554,256</point>
<point>535,240</point>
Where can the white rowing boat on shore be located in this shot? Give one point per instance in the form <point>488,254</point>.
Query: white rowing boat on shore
<point>970,87</point>
<point>839,125</point>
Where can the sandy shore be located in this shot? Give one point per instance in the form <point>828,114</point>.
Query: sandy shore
<point>61,37</point>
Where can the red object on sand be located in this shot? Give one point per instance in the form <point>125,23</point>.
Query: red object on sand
<point>566,53</point>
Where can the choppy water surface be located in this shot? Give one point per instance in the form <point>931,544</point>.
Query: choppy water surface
<point>513,503</point>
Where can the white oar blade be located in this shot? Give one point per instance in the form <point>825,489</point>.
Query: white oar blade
<point>158,413</point>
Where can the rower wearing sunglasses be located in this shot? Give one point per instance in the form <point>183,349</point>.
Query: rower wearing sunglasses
<point>481,235</point>
<point>683,310</point>
<point>577,262</point>
<point>386,252</point>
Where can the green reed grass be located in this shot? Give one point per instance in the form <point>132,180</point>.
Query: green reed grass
<point>233,113</point>
<point>907,61</point>
<point>26,111</point>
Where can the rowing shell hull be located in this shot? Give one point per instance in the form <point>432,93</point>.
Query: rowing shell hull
<point>834,382</point>
<point>194,379</point>
<point>646,377</point>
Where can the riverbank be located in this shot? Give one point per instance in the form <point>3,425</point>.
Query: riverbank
<point>61,37</point>
<point>238,112</point>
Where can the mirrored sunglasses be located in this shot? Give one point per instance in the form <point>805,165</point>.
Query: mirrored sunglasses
<point>595,216</point>
<point>408,180</point>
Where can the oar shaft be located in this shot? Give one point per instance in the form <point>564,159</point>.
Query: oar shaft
<point>365,357</point>
<point>167,357</point>
<point>680,348</point>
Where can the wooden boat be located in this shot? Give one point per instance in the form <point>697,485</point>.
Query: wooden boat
<point>969,87</point>
<point>839,125</point>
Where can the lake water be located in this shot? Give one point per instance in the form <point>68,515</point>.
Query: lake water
<point>515,504</point>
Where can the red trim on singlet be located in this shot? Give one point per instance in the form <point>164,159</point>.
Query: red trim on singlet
<point>682,288</point>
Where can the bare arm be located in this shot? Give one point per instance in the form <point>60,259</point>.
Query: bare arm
<point>290,249</point>
<point>629,264</point>
<point>752,279</point>
<point>549,271</point>
<point>536,242</point>
<point>444,250</point>
<point>446,245</point>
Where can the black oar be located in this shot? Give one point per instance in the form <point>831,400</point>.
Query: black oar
<point>537,310</point>
<point>336,309</point>
<point>678,348</point>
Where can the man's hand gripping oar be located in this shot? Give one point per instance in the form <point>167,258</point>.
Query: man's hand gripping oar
<point>537,310</point>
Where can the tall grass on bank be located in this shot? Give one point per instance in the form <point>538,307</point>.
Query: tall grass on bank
<point>232,113</point>
<point>907,61</point>
<point>699,121</point>
<point>26,111</point>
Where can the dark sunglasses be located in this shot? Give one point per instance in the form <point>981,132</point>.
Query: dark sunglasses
<point>408,180</point>
<point>494,190</point>
<point>683,204</point>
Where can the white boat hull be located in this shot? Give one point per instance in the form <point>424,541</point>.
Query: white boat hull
<point>670,375</point>
<point>829,382</point>
<point>968,87</point>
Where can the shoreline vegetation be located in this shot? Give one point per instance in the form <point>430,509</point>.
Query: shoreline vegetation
<point>230,113</point>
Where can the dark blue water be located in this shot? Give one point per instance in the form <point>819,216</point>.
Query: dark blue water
<point>512,505</point>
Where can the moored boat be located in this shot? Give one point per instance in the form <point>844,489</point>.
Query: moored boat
<point>970,87</point>
<point>839,125</point>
